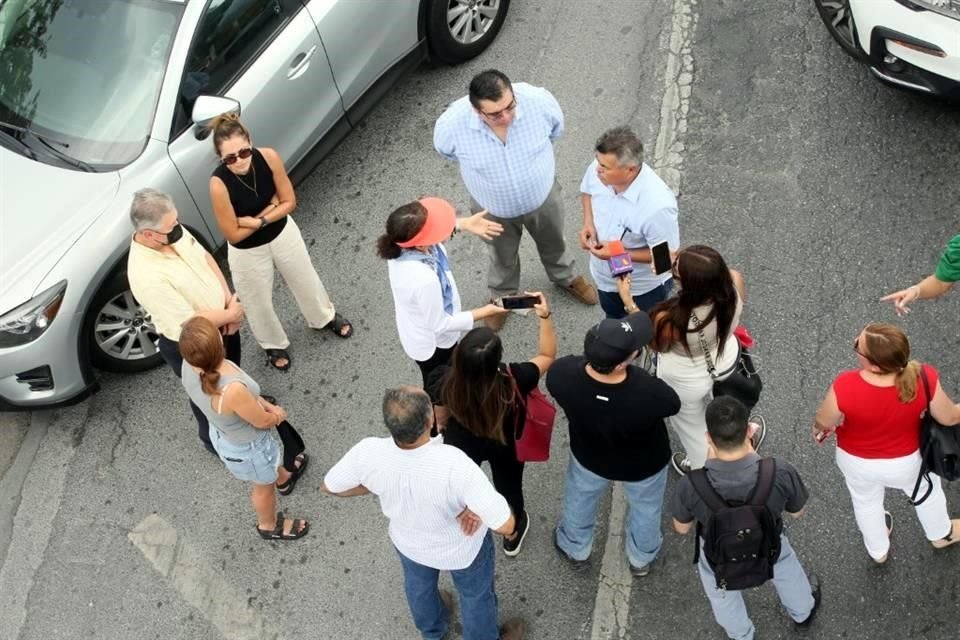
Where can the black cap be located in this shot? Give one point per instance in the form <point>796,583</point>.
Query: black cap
<point>613,341</point>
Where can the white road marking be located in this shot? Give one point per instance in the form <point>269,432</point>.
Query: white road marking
<point>199,584</point>
<point>612,605</point>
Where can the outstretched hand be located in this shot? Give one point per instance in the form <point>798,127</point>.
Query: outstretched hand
<point>479,225</point>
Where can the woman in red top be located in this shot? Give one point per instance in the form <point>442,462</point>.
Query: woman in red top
<point>875,412</point>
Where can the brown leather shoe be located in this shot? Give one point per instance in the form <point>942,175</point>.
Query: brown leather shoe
<point>513,629</point>
<point>583,291</point>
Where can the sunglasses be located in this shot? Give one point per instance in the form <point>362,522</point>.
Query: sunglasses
<point>242,154</point>
<point>856,349</point>
<point>498,115</point>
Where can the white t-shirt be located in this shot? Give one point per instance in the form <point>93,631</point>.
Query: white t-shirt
<point>422,323</point>
<point>421,492</point>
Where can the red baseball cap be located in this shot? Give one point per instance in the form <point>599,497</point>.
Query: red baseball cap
<point>439,226</point>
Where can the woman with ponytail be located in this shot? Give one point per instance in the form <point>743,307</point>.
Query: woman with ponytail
<point>425,297</point>
<point>252,200</point>
<point>241,425</point>
<point>875,411</point>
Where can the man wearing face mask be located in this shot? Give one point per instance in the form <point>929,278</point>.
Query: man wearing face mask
<point>175,279</point>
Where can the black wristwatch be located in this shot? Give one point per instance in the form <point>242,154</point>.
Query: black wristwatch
<point>264,222</point>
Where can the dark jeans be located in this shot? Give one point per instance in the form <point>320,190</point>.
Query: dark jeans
<point>478,600</point>
<point>170,351</point>
<point>612,305</point>
<point>507,470</point>
<point>439,358</point>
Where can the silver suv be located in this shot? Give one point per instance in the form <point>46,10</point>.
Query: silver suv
<point>100,98</point>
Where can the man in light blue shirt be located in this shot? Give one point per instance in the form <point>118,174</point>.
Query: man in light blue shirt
<point>502,137</point>
<point>624,199</point>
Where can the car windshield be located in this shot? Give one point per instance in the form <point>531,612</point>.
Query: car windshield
<point>79,79</point>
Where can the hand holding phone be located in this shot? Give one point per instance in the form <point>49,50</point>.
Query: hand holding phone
<point>519,302</point>
<point>661,257</point>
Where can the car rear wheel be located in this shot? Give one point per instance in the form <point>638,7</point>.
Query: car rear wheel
<point>121,334</point>
<point>838,18</point>
<point>458,30</point>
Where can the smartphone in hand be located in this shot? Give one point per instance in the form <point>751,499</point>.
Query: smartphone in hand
<point>661,257</point>
<point>519,302</point>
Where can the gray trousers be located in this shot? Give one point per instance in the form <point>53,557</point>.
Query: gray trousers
<point>545,226</point>
<point>789,579</point>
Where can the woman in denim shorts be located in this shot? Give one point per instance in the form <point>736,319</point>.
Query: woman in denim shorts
<point>241,426</point>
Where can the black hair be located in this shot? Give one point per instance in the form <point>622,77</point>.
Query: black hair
<point>402,224</point>
<point>488,85</point>
<point>727,420</point>
<point>406,412</point>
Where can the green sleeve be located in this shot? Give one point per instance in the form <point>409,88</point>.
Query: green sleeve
<point>948,269</point>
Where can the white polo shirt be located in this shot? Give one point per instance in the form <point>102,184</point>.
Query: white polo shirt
<point>421,492</point>
<point>422,323</point>
<point>645,213</point>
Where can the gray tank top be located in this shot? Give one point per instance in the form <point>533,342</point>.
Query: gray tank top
<point>233,428</point>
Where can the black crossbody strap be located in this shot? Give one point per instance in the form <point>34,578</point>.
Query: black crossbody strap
<point>923,475</point>
<point>705,490</point>
<point>761,491</point>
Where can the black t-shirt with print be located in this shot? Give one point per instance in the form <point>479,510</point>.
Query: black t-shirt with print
<point>616,430</point>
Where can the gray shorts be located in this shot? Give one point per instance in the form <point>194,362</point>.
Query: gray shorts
<point>255,461</point>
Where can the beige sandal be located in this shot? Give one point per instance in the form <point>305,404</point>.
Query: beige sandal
<point>951,538</point>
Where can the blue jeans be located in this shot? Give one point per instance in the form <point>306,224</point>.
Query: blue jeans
<point>478,601</point>
<point>790,581</point>
<point>582,492</point>
<point>612,305</point>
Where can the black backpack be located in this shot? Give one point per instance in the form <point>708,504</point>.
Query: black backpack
<point>741,540</point>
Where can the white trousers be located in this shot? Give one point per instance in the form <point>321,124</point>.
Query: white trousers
<point>867,480</point>
<point>252,271</point>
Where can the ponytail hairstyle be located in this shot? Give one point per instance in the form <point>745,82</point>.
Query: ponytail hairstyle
<point>225,127</point>
<point>201,345</point>
<point>886,347</point>
<point>404,223</point>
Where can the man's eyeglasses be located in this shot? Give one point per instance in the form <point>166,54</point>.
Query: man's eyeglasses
<point>498,115</point>
<point>242,154</point>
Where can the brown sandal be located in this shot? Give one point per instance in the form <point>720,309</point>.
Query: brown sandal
<point>951,538</point>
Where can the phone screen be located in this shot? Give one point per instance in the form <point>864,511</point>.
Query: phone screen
<point>519,302</point>
<point>661,258</point>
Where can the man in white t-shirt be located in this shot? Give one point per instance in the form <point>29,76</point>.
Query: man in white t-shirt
<point>441,509</point>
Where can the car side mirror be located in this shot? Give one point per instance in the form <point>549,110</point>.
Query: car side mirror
<point>206,108</point>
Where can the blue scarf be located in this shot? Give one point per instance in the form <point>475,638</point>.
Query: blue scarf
<point>436,260</point>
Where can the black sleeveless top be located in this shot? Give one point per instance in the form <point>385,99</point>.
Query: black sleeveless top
<point>250,194</point>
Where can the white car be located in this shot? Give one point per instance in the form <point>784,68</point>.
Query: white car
<point>912,44</point>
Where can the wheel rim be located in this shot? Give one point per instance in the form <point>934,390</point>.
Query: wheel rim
<point>840,20</point>
<point>470,20</point>
<point>124,329</point>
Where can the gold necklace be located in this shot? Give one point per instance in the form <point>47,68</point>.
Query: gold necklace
<point>253,170</point>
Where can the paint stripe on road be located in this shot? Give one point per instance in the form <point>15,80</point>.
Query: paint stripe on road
<point>612,605</point>
<point>199,584</point>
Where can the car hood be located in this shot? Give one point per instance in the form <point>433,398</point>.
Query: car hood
<point>43,211</point>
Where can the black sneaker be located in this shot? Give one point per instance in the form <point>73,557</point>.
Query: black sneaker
<point>815,586</point>
<point>641,571</point>
<point>757,438</point>
<point>578,565</point>
<point>680,463</point>
<point>512,547</point>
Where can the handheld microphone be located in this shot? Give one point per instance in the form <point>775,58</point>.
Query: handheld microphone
<point>620,262</point>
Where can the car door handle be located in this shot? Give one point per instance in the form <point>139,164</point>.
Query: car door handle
<point>300,63</point>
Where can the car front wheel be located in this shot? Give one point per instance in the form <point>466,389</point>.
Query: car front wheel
<point>121,334</point>
<point>838,18</point>
<point>458,30</point>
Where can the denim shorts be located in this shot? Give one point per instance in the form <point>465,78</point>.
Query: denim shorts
<point>255,461</point>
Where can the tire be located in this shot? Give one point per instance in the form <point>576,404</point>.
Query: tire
<point>838,18</point>
<point>121,337</point>
<point>461,38</point>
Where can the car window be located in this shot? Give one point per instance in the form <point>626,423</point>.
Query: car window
<point>228,38</point>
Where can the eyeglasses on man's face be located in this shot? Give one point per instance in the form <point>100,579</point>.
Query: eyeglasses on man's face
<point>499,115</point>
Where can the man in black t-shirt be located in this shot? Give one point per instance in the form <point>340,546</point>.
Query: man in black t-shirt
<point>732,469</point>
<point>615,413</point>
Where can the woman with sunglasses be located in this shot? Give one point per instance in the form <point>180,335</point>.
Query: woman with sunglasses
<point>693,333</point>
<point>425,297</point>
<point>875,410</point>
<point>241,426</point>
<point>252,200</point>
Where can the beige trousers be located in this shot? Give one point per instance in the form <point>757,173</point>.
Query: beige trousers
<point>252,271</point>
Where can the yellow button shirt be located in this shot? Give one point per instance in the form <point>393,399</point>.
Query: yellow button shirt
<point>173,287</point>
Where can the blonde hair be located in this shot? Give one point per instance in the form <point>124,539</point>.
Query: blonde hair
<point>225,127</point>
<point>886,347</point>
<point>202,346</point>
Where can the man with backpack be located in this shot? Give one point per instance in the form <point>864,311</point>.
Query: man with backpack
<point>737,500</point>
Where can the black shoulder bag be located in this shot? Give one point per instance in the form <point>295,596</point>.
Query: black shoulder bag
<point>939,448</point>
<point>744,383</point>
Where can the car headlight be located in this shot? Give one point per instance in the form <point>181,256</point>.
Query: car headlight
<point>27,322</point>
<point>948,8</point>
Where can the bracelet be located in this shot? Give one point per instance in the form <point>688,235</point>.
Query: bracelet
<point>544,317</point>
<point>632,308</point>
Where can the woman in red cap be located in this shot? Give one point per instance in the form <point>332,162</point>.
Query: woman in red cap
<point>429,318</point>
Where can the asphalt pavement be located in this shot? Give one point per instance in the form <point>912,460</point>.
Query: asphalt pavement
<point>823,187</point>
